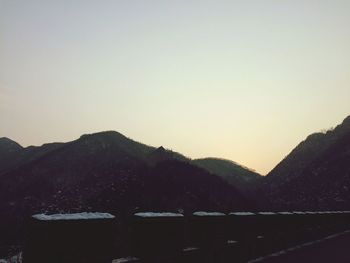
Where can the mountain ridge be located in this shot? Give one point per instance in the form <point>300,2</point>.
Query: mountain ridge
<point>232,172</point>
<point>147,153</point>
<point>315,175</point>
<point>106,172</point>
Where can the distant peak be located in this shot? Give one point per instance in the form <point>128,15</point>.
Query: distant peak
<point>103,134</point>
<point>218,159</point>
<point>4,141</point>
<point>226,162</point>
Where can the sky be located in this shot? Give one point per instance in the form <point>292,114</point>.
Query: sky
<point>242,80</point>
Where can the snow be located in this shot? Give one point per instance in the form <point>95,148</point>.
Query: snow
<point>161,214</point>
<point>266,213</point>
<point>285,213</point>
<point>202,213</point>
<point>299,213</point>
<point>75,216</point>
<point>311,212</point>
<point>241,214</point>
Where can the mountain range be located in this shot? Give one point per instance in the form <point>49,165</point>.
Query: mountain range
<point>109,172</point>
<point>105,171</point>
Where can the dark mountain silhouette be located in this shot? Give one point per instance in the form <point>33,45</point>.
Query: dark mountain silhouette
<point>233,173</point>
<point>106,172</point>
<point>13,155</point>
<point>315,175</point>
<point>8,146</point>
<point>8,150</point>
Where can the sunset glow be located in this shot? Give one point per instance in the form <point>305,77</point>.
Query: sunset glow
<point>241,80</point>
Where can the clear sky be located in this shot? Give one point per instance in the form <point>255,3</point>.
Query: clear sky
<point>243,80</point>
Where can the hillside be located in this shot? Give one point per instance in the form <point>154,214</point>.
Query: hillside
<point>14,155</point>
<point>233,173</point>
<point>315,175</point>
<point>8,150</point>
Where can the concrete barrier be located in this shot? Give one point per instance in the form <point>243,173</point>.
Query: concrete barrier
<point>242,227</point>
<point>170,237</point>
<point>208,232</point>
<point>70,238</point>
<point>157,235</point>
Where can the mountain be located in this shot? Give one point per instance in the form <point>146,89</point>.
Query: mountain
<point>106,172</point>
<point>67,175</point>
<point>7,146</point>
<point>8,150</point>
<point>233,173</point>
<point>13,155</point>
<point>315,175</point>
<point>308,150</point>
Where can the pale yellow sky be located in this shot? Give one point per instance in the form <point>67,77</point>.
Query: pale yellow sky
<point>242,80</point>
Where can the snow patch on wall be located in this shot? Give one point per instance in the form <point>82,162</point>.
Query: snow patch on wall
<point>161,214</point>
<point>75,216</point>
